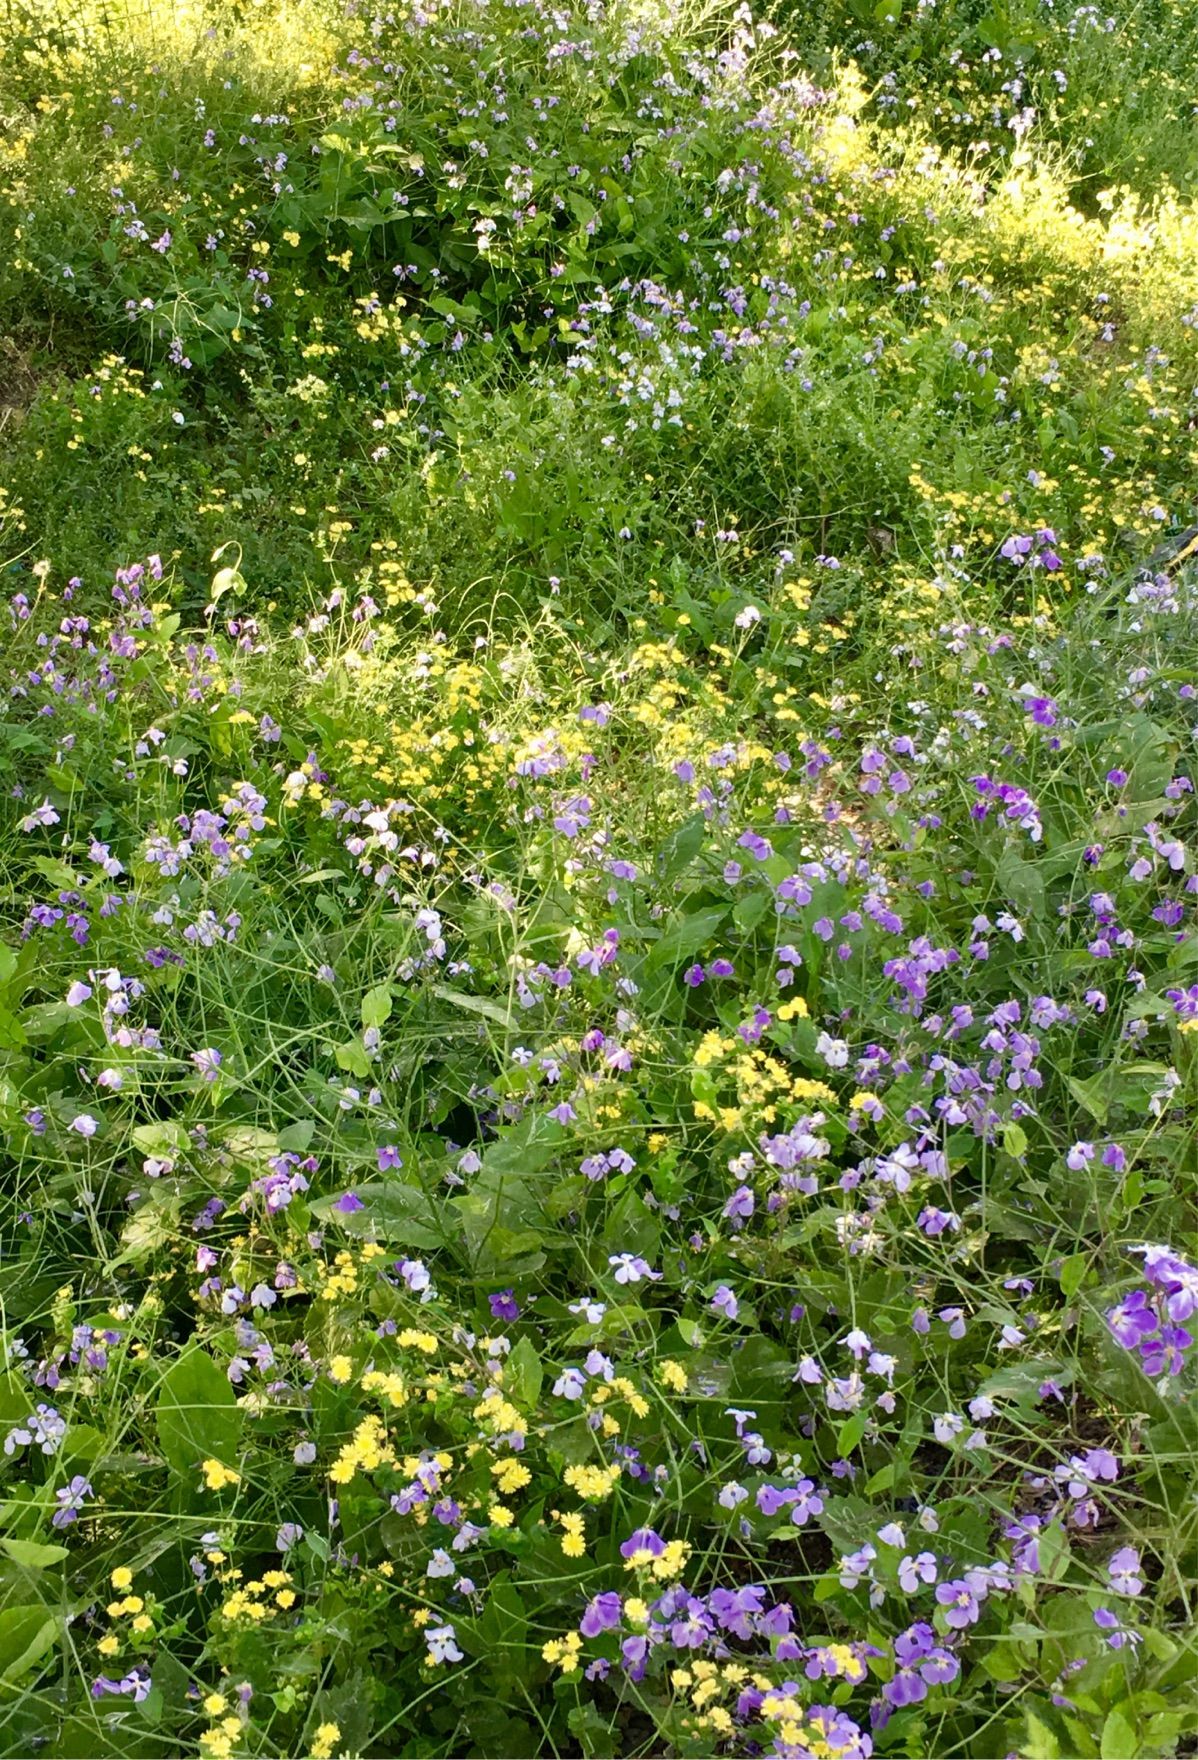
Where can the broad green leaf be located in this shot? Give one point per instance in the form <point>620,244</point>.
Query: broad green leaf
<point>376,1006</point>
<point>34,1555</point>
<point>197,1414</point>
<point>684,936</point>
<point>1119,1738</point>
<point>392,1211</point>
<point>26,1633</point>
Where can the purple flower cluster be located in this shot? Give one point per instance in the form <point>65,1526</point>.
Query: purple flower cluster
<point>1149,1320</point>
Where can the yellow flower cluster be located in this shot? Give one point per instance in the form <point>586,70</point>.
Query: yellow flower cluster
<point>510,1476</point>
<point>217,1475</point>
<point>593,1483</point>
<point>248,1603</point>
<point>392,1387</point>
<point>367,1450</point>
<point>574,1536</point>
<point>671,1562</point>
<point>564,1651</point>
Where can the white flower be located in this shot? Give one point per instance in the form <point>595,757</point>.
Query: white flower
<point>442,1644</point>
<point>834,1052</point>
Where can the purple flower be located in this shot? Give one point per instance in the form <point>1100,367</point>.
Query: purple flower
<point>504,1305</point>
<point>601,1614</point>
<point>1123,1569</point>
<point>70,1501</point>
<point>135,1685</point>
<point>631,1268</point>
<point>347,1203</point>
<point>760,848</point>
<point>389,1157</point>
<point>907,1688</point>
<point>740,1205</point>
<point>643,1541</point>
<point>807,1503</point>
<point>1117,1634</point>
<point>914,1571</point>
<point>959,1602</point>
<point>725,1302</point>
<point>1133,1319</point>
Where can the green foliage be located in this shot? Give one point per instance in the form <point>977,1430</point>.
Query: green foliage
<point>597,938</point>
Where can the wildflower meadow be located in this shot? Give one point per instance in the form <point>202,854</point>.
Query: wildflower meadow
<point>599,873</point>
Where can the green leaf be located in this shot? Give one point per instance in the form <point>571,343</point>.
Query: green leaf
<point>197,1414</point>
<point>26,1633</point>
<point>683,845</point>
<point>684,936</point>
<point>392,1211</point>
<point>1042,1743</point>
<point>376,1006</point>
<point>1119,1738</point>
<point>749,910</point>
<point>1021,881</point>
<point>1072,1271</point>
<point>492,1011</point>
<point>523,1375</point>
<point>295,1138</point>
<point>352,1058</point>
<point>1014,1139</point>
<point>851,1432</point>
<point>33,1554</point>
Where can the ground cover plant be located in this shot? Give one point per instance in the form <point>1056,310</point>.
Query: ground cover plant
<point>598,977</point>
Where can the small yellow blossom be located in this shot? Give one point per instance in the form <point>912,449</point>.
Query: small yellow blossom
<point>325,1740</point>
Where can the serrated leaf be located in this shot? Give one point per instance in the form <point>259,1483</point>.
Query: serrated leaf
<point>1119,1738</point>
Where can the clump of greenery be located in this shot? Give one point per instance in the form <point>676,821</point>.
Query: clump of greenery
<point>597,980</point>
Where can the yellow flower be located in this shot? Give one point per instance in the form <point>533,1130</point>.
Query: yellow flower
<point>214,1704</point>
<point>217,1475</point>
<point>421,1341</point>
<point>564,1651</point>
<point>108,1646</point>
<point>340,1369</point>
<point>594,1483</point>
<point>122,1576</point>
<point>325,1740</point>
<point>574,1539</point>
<point>510,1476</point>
<point>672,1375</point>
